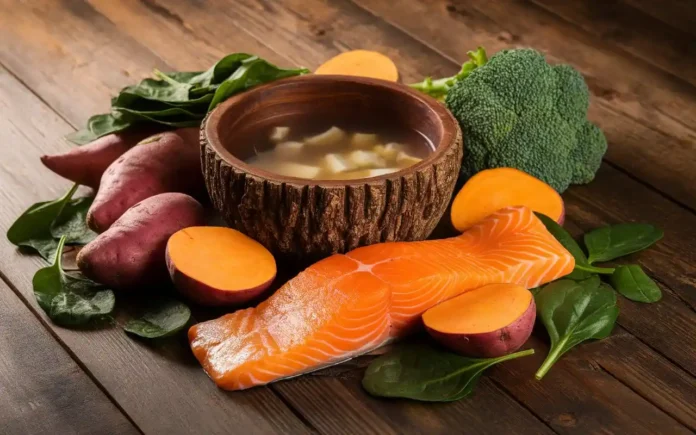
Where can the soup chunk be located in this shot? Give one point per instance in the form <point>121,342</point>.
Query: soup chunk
<point>336,152</point>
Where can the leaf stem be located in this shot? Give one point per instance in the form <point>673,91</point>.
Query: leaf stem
<point>550,360</point>
<point>593,269</point>
<point>162,76</point>
<point>519,354</point>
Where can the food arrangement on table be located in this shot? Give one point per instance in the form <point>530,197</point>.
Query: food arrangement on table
<point>340,175</point>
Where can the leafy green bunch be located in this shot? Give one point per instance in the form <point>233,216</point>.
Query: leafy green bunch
<point>581,306</point>
<point>181,99</point>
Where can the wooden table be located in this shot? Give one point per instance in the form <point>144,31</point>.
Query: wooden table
<point>60,61</point>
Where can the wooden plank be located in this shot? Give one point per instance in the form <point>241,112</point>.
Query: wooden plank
<point>43,390</point>
<point>318,397</point>
<point>628,359</point>
<point>304,22</point>
<point>622,26</point>
<point>649,116</point>
<point>676,13</point>
<point>578,396</point>
<point>162,388</point>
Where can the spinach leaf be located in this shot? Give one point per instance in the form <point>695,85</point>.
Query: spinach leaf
<point>421,372</point>
<point>632,282</point>
<point>71,223</point>
<point>181,98</point>
<point>614,241</point>
<point>32,229</point>
<point>42,224</point>
<point>98,126</point>
<point>70,300</point>
<point>165,318</point>
<point>252,72</point>
<point>573,312</point>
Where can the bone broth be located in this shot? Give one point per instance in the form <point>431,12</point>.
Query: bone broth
<point>335,151</point>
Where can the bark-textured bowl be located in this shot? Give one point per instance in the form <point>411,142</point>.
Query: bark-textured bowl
<point>309,219</point>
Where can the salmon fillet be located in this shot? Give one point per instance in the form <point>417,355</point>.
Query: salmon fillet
<point>347,305</point>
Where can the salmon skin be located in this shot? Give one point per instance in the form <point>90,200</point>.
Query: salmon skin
<point>347,305</point>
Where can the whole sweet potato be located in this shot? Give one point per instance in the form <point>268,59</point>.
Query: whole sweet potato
<point>132,252</point>
<point>86,164</point>
<point>168,162</point>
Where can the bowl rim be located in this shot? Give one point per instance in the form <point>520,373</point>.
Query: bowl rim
<point>448,125</point>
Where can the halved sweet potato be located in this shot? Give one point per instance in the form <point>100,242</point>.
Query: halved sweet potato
<point>494,189</point>
<point>488,322</point>
<point>218,266</point>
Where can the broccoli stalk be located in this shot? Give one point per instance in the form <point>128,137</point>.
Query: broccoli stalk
<point>438,88</point>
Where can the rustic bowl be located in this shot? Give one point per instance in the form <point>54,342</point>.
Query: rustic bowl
<point>310,219</point>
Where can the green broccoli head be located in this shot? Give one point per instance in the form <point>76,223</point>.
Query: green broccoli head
<point>518,111</point>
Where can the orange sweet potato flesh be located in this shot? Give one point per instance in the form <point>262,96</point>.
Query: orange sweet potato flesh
<point>494,189</point>
<point>361,63</point>
<point>218,266</point>
<point>488,322</point>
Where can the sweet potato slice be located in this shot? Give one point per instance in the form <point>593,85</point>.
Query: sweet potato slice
<point>362,63</point>
<point>488,322</point>
<point>494,189</point>
<point>219,266</point>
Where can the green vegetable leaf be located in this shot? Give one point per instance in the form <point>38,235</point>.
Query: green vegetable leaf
<point>614,241</point>
<point>565,239</point>
<point>72,222</point>
<point>32,229</point>
<point>70,300</point>
<point>98,126</point>
<point>573,312</point>
<point>632,282</point>
<point>421,372</point>
<point>181,98</point>
<point>252,72</point>
<point>165,318</point>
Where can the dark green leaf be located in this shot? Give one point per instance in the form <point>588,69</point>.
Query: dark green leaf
<point>565,239</point>
<point>573,312</point>
<point>33,228</point>
<point>72,223</point>
<point>252,72</point>
<point>181,98</point>
<point>70,300</point>
<point>632,282</point>
<point>614,241</point>
<point>421,372</point>
<point>165,318</point>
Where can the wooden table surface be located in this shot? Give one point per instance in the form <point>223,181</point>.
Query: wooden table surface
<point>61,60</point>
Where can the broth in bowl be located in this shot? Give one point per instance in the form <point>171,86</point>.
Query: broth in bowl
<point>336,151</point>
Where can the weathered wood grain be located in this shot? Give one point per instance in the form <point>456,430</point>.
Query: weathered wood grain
<point>578,396</point>
<point>621,26</point>
<point>42,390</point>
<point>649,116</point>
<point>675,13</point>
<point>161,388</point>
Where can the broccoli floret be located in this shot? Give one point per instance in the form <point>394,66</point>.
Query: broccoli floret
<point>518,111</point>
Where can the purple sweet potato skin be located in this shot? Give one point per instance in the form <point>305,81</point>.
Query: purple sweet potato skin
<point>490,344</point>
<point>86,164</point>
<point>170,162</point>
<point>131,253</point>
